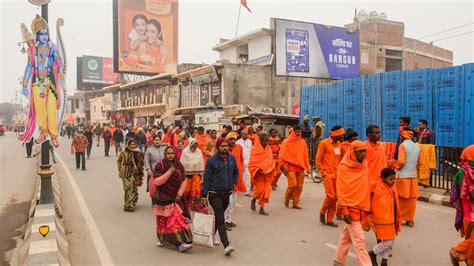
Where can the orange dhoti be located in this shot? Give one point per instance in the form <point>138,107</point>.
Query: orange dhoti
<point>263,185</point>
<point>407,195</point>
<point>295,186</point>
<point>276,175</point>
<point>465,249</point>
<point>330,202</point>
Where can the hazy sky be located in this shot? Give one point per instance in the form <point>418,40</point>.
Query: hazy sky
<point>88,27</point>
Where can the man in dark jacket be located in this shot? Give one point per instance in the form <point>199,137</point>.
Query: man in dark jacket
<point>220,177</point>
<point>107,138</point>
<point>423,134</point>
<point>89,137</point>
<point>118,139</point>
<point>140,137</point>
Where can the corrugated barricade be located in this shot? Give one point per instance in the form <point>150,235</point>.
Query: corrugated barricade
<point>444,97</point>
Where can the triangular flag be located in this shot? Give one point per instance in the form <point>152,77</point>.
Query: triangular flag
<point>244,3</point>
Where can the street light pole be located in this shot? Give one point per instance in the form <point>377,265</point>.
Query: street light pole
<point>45,171</point>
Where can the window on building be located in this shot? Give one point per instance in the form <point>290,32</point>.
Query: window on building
<point>392,64</point>
<point>282,89</point>
<point>396,53</point>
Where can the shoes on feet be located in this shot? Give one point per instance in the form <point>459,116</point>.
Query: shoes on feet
<point>228,250</point>
<point>322,218</point>
<point>297,207</point>
<point>287,203</point>
<point>252,205</point>
<point>332,224</point>
<point>185,247</point>
<point>410,224</point>
<point>159,244</point>
<point>263,212</point>
<point>373,258</point>
<point>228,227</point>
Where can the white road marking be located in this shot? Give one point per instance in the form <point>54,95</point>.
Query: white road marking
<point>335,248</point>
<point>43,246</point>
<point>238,205</point>
<point>102,250</point>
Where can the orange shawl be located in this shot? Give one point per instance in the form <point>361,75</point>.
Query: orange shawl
<point>352,182</point>
<point>261,159</point>
<point>236,151</point>
<point>274,144</point>
<point>376,160</point>
<point>468,153</point>
<point>201,139</point>
<point>295,151</point>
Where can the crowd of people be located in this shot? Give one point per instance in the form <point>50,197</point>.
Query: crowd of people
<point>366,185</point>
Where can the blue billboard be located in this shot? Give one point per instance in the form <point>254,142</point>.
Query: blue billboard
<point>316,51</point>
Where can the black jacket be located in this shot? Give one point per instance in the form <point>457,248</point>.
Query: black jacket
<point>219,175</point>
<point>118,136</point>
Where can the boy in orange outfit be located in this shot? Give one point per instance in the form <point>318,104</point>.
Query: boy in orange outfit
<point>385,211</point>
<point>327,160</point>
<point>274,143</point>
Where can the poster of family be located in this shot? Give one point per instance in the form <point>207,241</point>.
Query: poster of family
<point>146,36</point>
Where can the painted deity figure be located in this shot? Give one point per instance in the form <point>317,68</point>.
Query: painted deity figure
<point>43,83</point>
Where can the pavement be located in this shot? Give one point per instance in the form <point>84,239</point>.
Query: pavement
<point>100,232</point>
<point>17,182</point>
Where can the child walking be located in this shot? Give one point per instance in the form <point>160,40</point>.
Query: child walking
<point>386,214</point>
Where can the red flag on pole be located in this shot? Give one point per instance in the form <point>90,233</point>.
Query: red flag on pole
<point>244,3</point>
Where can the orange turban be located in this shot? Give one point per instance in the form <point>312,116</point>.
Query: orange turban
<point>468,153</point>
<point>337,132</point>
<point>232,135</point>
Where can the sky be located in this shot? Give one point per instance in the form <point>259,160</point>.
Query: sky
<point>88,27</point>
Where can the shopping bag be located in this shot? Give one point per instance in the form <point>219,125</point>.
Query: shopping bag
<point>203,230</point>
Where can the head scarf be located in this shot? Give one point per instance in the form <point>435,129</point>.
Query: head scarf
<point>192,161</point>
<point>128,145</point>
<point>232,135</point>
<point>169,190</point>
<point>337,132</point>
<point>352,183</point>
<point>219,141</point>
<point>468,153</point>
<point>295,151</point>
<point>406,134</point>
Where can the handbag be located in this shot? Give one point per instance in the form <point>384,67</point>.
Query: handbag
<point>203,230</point>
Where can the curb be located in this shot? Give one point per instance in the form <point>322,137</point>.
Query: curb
<point>435,199</point>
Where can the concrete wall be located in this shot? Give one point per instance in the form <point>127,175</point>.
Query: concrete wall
<point>96,110</point>
<point>260,46</point>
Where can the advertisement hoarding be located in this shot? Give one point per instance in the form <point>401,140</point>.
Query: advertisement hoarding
<point>314,50</point>
<point>94,72</point>
<point>145,36</point>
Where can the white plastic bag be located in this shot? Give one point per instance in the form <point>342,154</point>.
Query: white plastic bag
<point>203,230</point>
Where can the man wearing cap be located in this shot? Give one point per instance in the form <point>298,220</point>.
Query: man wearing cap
<point>220,177</point>
<point>317,133</point>
<point>327,160</point>
<point>305,128</point>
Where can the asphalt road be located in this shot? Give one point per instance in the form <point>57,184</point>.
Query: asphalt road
<point>100,232</point>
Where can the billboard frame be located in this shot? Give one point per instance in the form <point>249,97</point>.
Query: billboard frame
<point>274,46</point>
<point>116,41</point>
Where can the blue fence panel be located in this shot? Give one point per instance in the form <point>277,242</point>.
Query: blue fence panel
<point>468,114</point>
<point>306,100</point>
<point>320,104</point>
<point>335,105</point>
<point>448,93</point>
<point>352,105</point>
<point>417,96</point>
<point>391,88</point>
<point>370,102</point>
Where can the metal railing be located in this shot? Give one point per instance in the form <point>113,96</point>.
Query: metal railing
<point>447,165</point>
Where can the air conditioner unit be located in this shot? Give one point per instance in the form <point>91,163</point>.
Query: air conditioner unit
<point>279,110</point>
<point>266,110</point>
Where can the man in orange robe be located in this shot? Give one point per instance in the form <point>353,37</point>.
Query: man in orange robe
<point>261,168</point>
<point>327,161</point>
<point>353,191</point>
<point>294,159</point>
<point>376,157</point>
<point>274,143</point>
<point>236,151</point>
<point>201,138</point>
<point>407,182</point>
